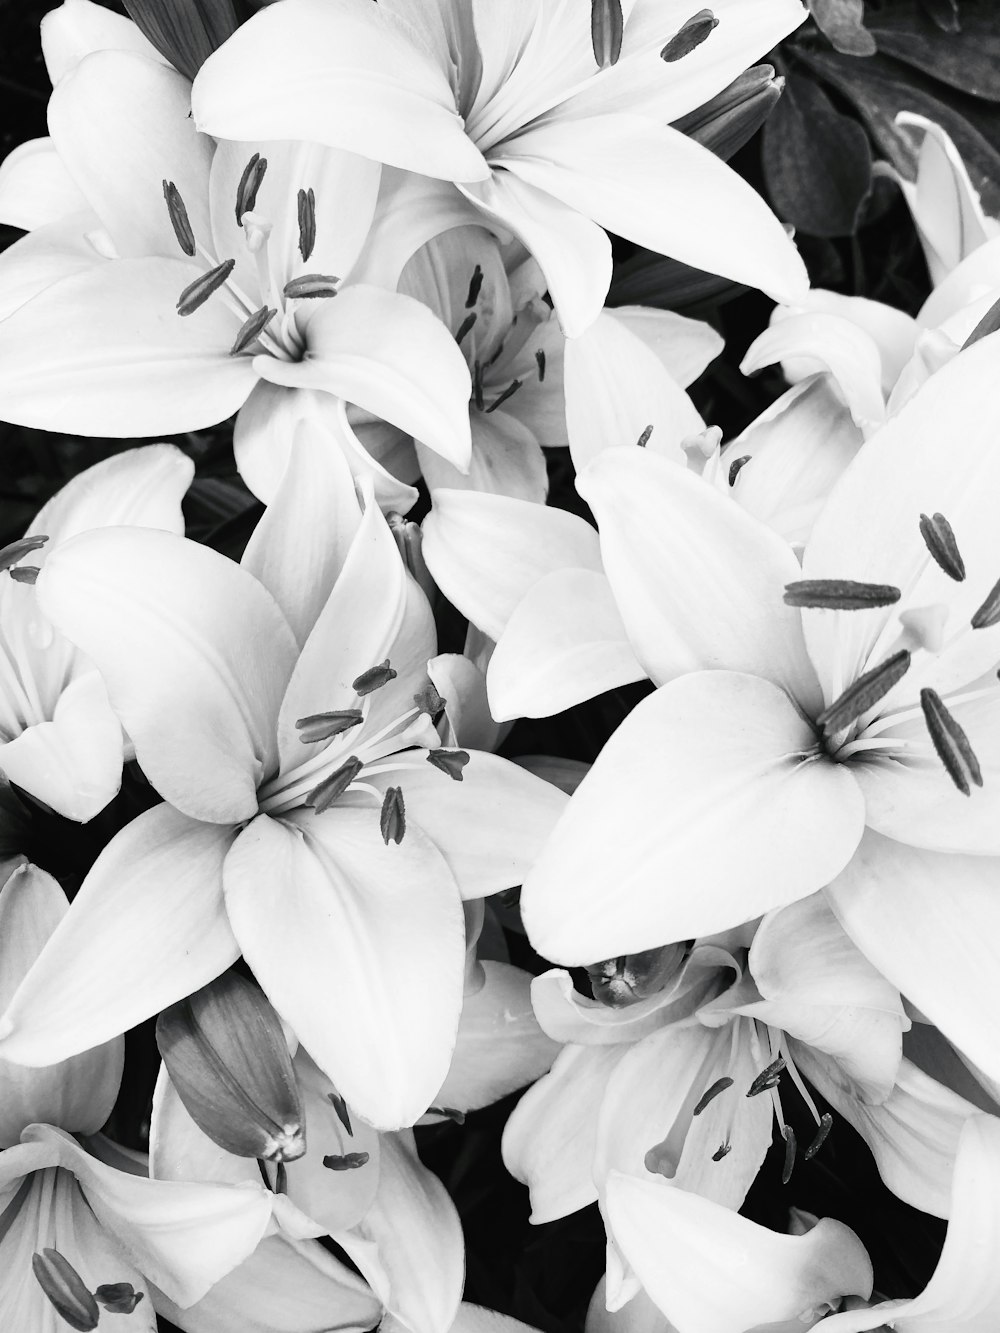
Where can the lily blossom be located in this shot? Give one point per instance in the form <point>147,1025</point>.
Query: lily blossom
<point>60,741</point>
<point>67,1207</point>
<point>550,141</point>
<point>778,734</point>
<point>315,822</point>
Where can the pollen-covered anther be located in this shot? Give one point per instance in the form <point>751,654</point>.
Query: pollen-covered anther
<point>767,1078</point>
<point>250,183</point>
<point>340,1106</point>
<point>466,327</point>
<point>723,1150</point>
<point>710,1094</point>
<point>988,614</point>
<point>825,1125</point>
<point>392,819</point>
<point>197,293</point>
<point>332,788</point>
<point>252,328</point>
<point>840,594</point>
<point>540,363</point>
<point>15,551</point>
<point>690,36</point>
<point>348,1161</point>
<point>324,726</point>
<point>306,208</point>
<point>788,1166</point>
<point>25,573</point>
<point>607,24</point>
<point>449,761</point>
<point>477,386</point>
<point>509,392</point>
<point>179,219</point>
<point>475,287</point>
<point>950,742</point>
<point>429,701</point>
<point>736,467</point>
<point>939,538</point>
<point>118,1297</point>
<point>66,1290</point>
<point>643,439</point>
<point>374,678</point>
<point>864,692</point>
<point>310,286</point>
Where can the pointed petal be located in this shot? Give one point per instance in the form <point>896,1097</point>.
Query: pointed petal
<point>551,1136</point>
<point>490,827</point>
<point>35,187</point>
<point>146,928</point>
<point>194,652</point>
<point>699,584</point>
<point>500,1046</point>
<point>616,388</point>
<point>572,251</point>
<point>934,948</point>
<point>706,807</point>
<point>120,123</point>
<point>506,460</point>
<point>76,29</point>
<point>746,1276</point>
<point>564,643</point>
<point>118,359</point>
<point>685,347</point>
<point>913,1135</point>
<point>339,73</point>
<point>326,913</point>
<point>390,356</point>
<point>626,173</point>
<point>53,251</point>
<point>79,1093</point>
<point>316,496</point>
<point>486,551</point>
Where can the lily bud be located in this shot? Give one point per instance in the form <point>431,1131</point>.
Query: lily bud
<point>731,118</point>
<point>409,540</point>
<point>226,1054</point>
<point>185,32</point>
<point>620,982</point>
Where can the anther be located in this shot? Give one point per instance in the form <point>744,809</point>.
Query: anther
<point>15,551</point>
<point>348,1161</point>
<point>710,1094</point>
<point>197,293</point>
<point>307,223</point>
<point>449,761</point>
<point>950,742</point>
<point>691,35</point>
<point>324,726</point>
<point>736,467</point>
<point>864,692</point>
<point>643,439</point>
<point>179,219</point>
<point>477,386</point>
<point>825,1125</point>
<point>252,328</point>
<point>65,1289</point>
<point>840,594</point>
<point>540,363</point>
<point>723,1150</point>
<point>25,573</point>
<point>430,702</point>
<point>767,1078</point>
<point>373,679</point>
<point>309,286</point>
<point>340,1106</point>
<point>250,183</point>
<point>475,287</point>
<point>940,541</point>
<point>989,613</point>
<point>465,327</point>
<point>392,820</point>
<point>118,1297</point>
<point>789,1163</point>
<point>606,26</point>
<point>509,392</point>
<point>328,791</point>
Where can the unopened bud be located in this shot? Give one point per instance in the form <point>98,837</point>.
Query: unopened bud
<point>606,26</point>
<point>226,1055</point>
<point>629,978</point>
<point>731,118</point>
<point>409,541</point>
<point>66,1290</point>
<point>186,32</point>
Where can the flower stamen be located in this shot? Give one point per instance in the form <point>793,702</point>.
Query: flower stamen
<point>250,183</point>
<point>950,742</point>
<point>939,539</point>
<point>839,594</point>
<point>179,219</point>
<point>867,690</point>
<point>690,36</point>
<point>197,293</point>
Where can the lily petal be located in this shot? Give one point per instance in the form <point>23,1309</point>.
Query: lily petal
<point>506,460</point>
<point>78,27</point>
<point>327,914</point>
<point>146,928</point>
<point>194,652</point>
<point>685,347</point>
<point>35,187</point>
<point>51,252</point>
<point>702,811</point>
<point>342,74</point>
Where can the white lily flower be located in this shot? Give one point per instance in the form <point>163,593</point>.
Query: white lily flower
<point>67,1208</point>
<point>315,821</point>
<point>551,143</point>
<point>59,738</point>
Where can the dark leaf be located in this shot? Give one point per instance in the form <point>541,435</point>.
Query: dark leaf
<point>185,32</point>
<point>650,279</point>
<point>968,60</point>
<point>842,24</point>
<point>817,161</point>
